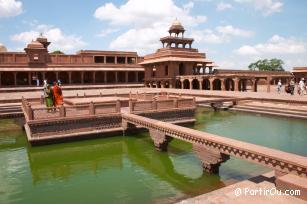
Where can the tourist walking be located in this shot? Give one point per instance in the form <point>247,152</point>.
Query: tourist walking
<point>49,98</point>
<point>57,94</point>
<point>279,86</point>
<point>301,87</point>
<point>292,85</point>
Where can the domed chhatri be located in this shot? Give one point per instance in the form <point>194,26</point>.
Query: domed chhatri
<point>2,48</point>
<point>43,40</point>
<point>36,45</point>
<point>176,28</point>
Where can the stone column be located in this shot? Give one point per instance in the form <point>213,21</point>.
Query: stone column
<point>29,78</point>
<point>0,79</point>
<point>105,77</point>
<point>15,78</point>
<point>211,83</point>
<point>254,81</point>
<point>268,80</point>
<point>69,78</point>
<point>94,77</point>
<point>210,158</point>
<point>56,76</point>
<point>223,85</point>
<point>82,77</point>
<point>126,77</point>
<point>160,139</point>
<point>191,84</point>
<point>136,76</point>
<point>200,84</point>
<point>236,84</point>
<point>182,85</point>
<point>116,77</point>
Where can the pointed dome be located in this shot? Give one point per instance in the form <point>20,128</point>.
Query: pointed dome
<point>2,48</point>
<point>176,27</point>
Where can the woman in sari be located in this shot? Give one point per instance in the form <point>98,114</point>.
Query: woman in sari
<point>48,97</point>
<point>57,94</point>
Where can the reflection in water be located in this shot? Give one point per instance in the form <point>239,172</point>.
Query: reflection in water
<point>129,169</point>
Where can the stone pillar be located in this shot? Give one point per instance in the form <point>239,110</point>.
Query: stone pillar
<point>69,78</point>
<point>236,84</point>
<point>15,78</point>
<point>211,83</point>
<point>254,81</point>
<point>126,77</point>
<point>182,85</point>
<point>105,77</point>
<point>191,84</point>
<point>56,76</point>
<point>200,84</point>
<point>94,77</point>
<point>0,79</point>
<point>82,77</point>
<point>268,81</point>
<point>116,77</point>
<point>210,158</point>
<point>160,139</point>
<point>223,87</point>
<point>136,76</point>
<point>29,78</point>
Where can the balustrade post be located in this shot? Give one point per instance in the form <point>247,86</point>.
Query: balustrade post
<point>91,108</point>
<point>175,103</point>
<point>194,101</point>
<point>118,106</point>
<point>130,106</point>
<point>62,111</point>
<point>154,104</point>
<point>42,99</point>
<point>30,112</point>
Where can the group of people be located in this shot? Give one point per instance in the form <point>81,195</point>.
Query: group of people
<point>53,95</point>
<point>301,89</point>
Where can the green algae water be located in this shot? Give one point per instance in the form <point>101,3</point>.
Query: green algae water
<point>129,169</point>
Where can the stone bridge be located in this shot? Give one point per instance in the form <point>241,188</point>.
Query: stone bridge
<point>212,150</point>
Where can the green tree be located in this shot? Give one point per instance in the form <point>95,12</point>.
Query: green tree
<point>267,65</point>
<point>57,52</point>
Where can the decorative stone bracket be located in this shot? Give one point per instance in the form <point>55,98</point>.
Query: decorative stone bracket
<point>210,159</point>
<point>160,139</point>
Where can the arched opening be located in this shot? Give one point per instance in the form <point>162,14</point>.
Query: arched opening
<point>229,85</point>
<point>50,77</point>
<point>181,69</point>
<point>22,78</point>
<point>64,77</point>
<point>7,78</point>
<point>217,84</point>
<point>88,77</point>
<point>110,77</point>
<point>99,77</point>
<point>121,77</point>
<point>75,77</point>
<point>206,84</point>
<point>178,84</point>
<point>186,84</point>
<point>195,84</point>
<point>131,77</point>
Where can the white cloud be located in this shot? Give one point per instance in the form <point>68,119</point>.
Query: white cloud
<point>223,6</point>
<point>267,7</point>
<point>147,21</point>
<point>58,39</point>
<point>275,45</point>
<point>107,32</point>
<point>221,34</point>
<point>10,8</point>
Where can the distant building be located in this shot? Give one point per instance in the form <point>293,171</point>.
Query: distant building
<point>299,72</point>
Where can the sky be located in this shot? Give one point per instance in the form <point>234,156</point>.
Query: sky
<point>232,33</point>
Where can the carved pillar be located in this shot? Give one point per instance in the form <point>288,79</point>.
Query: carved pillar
<point>210,159</point>
<point>126,77</point>
<point>116,77</point>
<point>82,77</point>
<point>56,76</point>
<point>236,84</point>
<point>254,81</point>
<point>268,81</point>
<point>201,84</point>
<point>105,77</point>
<point>182,85</point>
<point>94,77</point>
<point>136,76</point>
<point>160,139</point>
<point>44,75</point>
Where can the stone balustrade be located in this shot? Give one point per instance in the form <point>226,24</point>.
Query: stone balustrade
<point>213,149</point>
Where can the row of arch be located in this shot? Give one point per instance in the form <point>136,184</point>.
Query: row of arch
<point>67,77</point>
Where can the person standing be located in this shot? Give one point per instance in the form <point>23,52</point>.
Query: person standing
<point>301,87</point>
<point>49,98</point>
<point>57,93</point>
<point>279,86</point>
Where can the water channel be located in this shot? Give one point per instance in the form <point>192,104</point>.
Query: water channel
<point>129,169</point>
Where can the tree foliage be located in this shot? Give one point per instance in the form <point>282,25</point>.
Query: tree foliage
<point>267,65</point>
<point>57,52</point>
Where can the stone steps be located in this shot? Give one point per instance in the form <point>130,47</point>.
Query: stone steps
<point>10,110</point>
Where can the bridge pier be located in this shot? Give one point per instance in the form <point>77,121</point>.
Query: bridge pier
<point>128,127</point>
<point>210,159</point>
<point>160,139</point>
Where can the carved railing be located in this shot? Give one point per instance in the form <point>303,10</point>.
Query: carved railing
<point>272,158</point>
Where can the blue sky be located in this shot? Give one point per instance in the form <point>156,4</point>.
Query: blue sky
<point>232,33</point>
